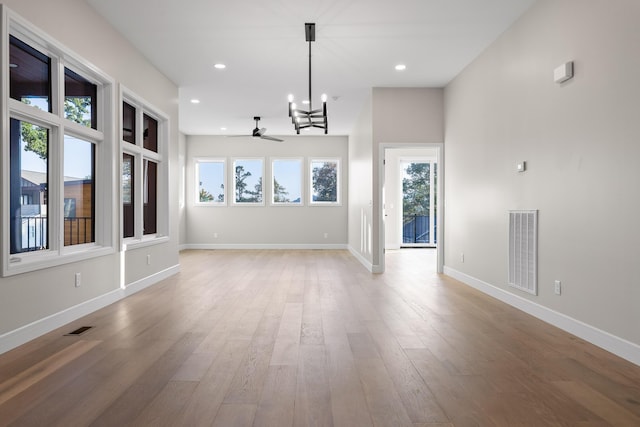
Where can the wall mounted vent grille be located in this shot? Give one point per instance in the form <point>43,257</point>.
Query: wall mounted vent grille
<point>523,251</point>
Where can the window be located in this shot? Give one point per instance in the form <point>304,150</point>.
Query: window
<point>79,191</point>
<point>286,182</point>
<point>247,181</point>
<point>210,177</point>
<point>144,184</point>
<point>58,208</point>
<point>80,97</point>
<point>29,177</point>
<point>30,75</point>
<point>128,123</point>
<point>324,181</point>
<point>128,194</point>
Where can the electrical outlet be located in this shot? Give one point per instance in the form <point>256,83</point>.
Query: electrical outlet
<point>557,287</point>
<point>326,235</point>
<point>78,280</point>
<point>215,235</point>
<point>148,259</point>
<point>461,256</point>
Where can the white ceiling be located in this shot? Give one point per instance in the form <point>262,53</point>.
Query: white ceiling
<point>262,43</point>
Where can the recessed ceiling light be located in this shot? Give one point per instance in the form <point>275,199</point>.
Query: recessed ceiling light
<point>401,67</point>
<point>305,102</point>
<point>195,101</point>
<point>223,128</point>
<point>220,66</point>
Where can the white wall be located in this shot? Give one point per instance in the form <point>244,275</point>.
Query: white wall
<point>30,299</point>
<point>580,142</point>
<point>402,116</point>
<point>267,226</point>
<point>361,187</point>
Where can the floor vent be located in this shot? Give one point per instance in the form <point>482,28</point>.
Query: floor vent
<point>523,256</point>
<point>81,330</point>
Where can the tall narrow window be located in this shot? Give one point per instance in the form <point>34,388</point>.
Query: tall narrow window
<point>210,177</point>
<point>150,197</point>
<point>29,184</point>
<point>325,181</point>
<point>80,97</point>
<point>286,182</point>
<point>144,173</point>
<point>79,191</point>
<point>128,194</point>
<point>29,75</point>
<point>247,181</point>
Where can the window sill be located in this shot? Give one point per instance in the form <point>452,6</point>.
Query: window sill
<point>19,264</point>
<point>129,244</point>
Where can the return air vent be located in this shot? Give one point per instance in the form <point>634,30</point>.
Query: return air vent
<point>81,330</point>
<point>523,251</point>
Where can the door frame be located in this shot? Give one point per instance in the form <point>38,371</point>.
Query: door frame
<point>439,188</point>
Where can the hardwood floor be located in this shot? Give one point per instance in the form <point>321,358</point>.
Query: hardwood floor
<point>282,338</point>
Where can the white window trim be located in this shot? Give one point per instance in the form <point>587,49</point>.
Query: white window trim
<point>196,168</point>
<point>139,239</point>
<point>103,138</point>
<point>302,183</point>
<point>337,160</point>
<point>232,174</point>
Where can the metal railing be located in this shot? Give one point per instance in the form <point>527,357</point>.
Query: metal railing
<point>78,230</point>
<point>34,232</point>
<point>416,229</point>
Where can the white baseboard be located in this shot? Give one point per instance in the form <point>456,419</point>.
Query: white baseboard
<point>24,334</point>
<point>614,344</point>
<point>277,246</point>
<point>145,282</point>
<point>367,264</point>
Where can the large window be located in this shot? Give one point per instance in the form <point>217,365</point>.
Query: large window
<point>144,183</point>
<point>324,181</point>
<point>211,182</point>
<point>286,182</point>
<point>59,200</point>
<point>247,181</point>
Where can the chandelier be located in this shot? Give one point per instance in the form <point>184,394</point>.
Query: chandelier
<point>304,119</point>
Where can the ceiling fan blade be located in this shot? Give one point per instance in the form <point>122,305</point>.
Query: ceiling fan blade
<point>270,138</point>
<point>261,131</point>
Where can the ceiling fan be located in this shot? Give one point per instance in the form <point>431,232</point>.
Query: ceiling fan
<point>260,132</point>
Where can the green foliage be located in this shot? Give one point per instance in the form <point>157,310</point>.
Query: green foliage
<point>35,139</point>
<point>280,193</point>
<point>244,195</point>
<point>325,182</point>
<point>416,190</point>
<point>204,195</point>
<point>77,108</point>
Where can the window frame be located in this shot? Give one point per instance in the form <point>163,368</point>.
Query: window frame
<point>302,183</point>
<point>196,168</point>
<point>336,160</point>
<point>59,126</point>
<point>140,154</point>
<point>232,174</point>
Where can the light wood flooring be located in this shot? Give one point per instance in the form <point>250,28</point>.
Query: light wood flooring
<point>310,338</point>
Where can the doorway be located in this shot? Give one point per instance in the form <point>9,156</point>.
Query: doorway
<point>419,202</point>
<point>422,225</point>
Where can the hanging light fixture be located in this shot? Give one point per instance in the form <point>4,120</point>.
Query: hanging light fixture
<point>304,119</point>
